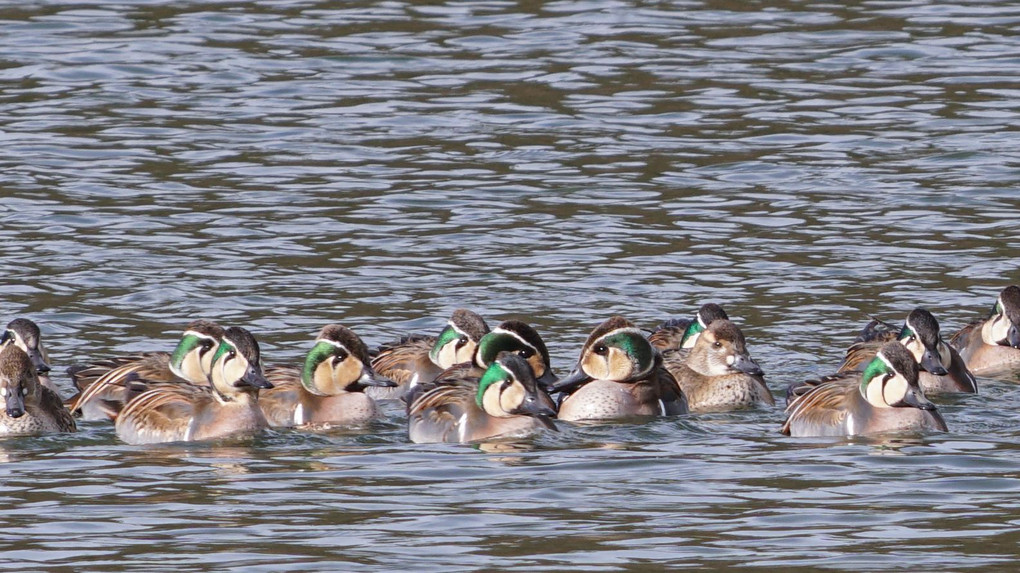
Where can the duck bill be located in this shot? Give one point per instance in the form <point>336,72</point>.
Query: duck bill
<point>571,381</point>
<point>745,364</point>
<point>539,406</point>
<point>370,378</point>
<point>253,377</point>
<point>1013,336</point>
<point>932,362</point>
<point>547,380</point>
<point>37,360</point>
<point>916,399</point>
<point>15,404</point>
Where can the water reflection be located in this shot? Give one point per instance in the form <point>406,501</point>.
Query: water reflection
<point>284,165</point>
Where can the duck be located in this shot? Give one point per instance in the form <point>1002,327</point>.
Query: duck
<point>513,336</point>
<point>681,333</point>
<point>105,385</point>
<point>184,412</point>
<point>29,408</point>
<point>420,358</point>
<point>619,375</point>
<point>25,334</point>
<point>991,347</point>
<point>507,401</point>
<point>942,368</point>
<point>718,374</point>
<point>885,397</point>
<point>328,389</point>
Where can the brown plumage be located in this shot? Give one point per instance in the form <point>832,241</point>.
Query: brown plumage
<point>28,407</point>
<point>718,374</point>
<point>884,398</point>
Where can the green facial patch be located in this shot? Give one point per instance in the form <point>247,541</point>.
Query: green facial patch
<point>319,353</point>
<point>223,348</point>
<point>693,329</point>
<point>634,345</point>
<point>188,343</point>
<point>494,374</point>
<point>877,367</point>
<point>448,335</point>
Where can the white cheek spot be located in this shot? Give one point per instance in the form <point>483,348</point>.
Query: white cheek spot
<point>730,359</point>
<point>4,392</point>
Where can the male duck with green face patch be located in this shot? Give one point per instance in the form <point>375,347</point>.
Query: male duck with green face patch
<point>329,390</point>
<point>942,367</point>
<point>227,407</point>
<point>884,398</point>
<point>619,375</point>
<point>506,401</point>
<point>106,385</point>
<point>991,347</point>
<point>418,359</point>
<point>511,336</point>
<point>719,374</point>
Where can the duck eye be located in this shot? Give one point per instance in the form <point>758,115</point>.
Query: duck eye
<point>341,355</point>
<point>24,390</point>
<point>911,339</point>
<point>505,385</point>
<point>717,344</point>
<point>526,353</point>
<point>462,341</point>
<point>600,349</point>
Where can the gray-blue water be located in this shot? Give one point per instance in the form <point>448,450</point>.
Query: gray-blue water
<point>283,165</point>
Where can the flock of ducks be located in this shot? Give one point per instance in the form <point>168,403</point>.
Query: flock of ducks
<point>471,383</point>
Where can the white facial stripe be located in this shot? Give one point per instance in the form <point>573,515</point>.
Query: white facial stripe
<point>629,329</point>
<point>333,342</point>
<point>198,335</point>
<point>518,337</point>
<point>886,360</point>
<point>459,331</point>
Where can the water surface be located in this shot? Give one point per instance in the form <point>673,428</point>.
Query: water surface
<point>283,165</point>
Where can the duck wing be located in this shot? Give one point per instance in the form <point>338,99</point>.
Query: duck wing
<point>279,403</point>
<point>161,414</point>
<point>399,360</point>
<point>819,403</point>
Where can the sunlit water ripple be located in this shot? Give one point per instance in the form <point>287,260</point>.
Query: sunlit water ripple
<point>283,165</point>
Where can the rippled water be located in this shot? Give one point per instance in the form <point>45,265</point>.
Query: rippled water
<point>282,165</point>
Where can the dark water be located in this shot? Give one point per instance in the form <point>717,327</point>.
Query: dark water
<point>283,165</point>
